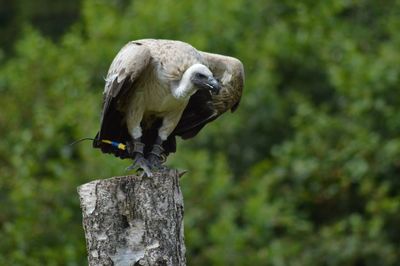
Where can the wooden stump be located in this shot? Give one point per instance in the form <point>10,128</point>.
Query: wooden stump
<point>132,220</point>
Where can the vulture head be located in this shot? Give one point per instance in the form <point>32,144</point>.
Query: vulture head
<point>202,78</point>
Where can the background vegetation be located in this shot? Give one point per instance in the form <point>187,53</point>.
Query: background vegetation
<point>306,172</point>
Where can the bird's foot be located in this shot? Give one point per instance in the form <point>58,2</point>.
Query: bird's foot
<point>157,157</point>
<point>135,150</point>
<point>140,163</point>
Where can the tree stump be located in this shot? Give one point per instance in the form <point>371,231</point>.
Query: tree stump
<point>132,220</point>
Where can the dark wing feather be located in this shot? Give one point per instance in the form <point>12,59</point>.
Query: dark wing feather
<point>203,107</point>
<point>125,69</point>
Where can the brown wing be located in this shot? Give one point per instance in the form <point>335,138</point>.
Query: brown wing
<point>204,108</point>
<point>126,68</point>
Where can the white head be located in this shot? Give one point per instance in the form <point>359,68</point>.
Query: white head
<point>197,77</point>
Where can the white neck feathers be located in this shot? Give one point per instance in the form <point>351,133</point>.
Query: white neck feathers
<point>185,87</point>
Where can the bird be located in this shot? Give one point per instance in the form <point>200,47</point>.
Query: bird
<point>156,90</point>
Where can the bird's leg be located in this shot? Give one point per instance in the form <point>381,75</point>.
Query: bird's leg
<point>135,149</point>
<point>157,155</point>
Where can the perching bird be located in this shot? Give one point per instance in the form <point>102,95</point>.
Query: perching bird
<point>158,89</point>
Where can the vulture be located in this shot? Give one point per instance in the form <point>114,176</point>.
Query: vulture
<point>156,90</point>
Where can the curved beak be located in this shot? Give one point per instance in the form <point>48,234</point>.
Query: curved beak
<point>213,85</point>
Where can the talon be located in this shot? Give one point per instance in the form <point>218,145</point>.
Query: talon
<point>154,161</point>
<point>144,174</point>
<point>131,167</point>
<point>141,163</point>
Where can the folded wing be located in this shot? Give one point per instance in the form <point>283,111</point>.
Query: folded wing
<point>125,69</point>
<point>203,107</point>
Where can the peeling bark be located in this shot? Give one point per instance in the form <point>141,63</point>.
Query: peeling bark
<point>132,220</point>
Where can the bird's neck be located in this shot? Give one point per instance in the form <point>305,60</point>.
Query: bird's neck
<point>185,87</point>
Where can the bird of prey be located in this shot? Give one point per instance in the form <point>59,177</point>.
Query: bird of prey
<point>156,90</point>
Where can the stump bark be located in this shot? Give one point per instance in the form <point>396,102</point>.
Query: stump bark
<point>132,220</point>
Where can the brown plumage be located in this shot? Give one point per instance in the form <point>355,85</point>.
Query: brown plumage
<point>153,90</point>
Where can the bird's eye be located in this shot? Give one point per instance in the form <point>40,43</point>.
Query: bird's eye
<point>200,76</point>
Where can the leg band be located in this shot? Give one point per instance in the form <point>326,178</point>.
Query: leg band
<point>158,151</point>
<point>134,147</point>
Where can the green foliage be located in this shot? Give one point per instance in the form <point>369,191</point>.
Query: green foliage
<point>304,173</point>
